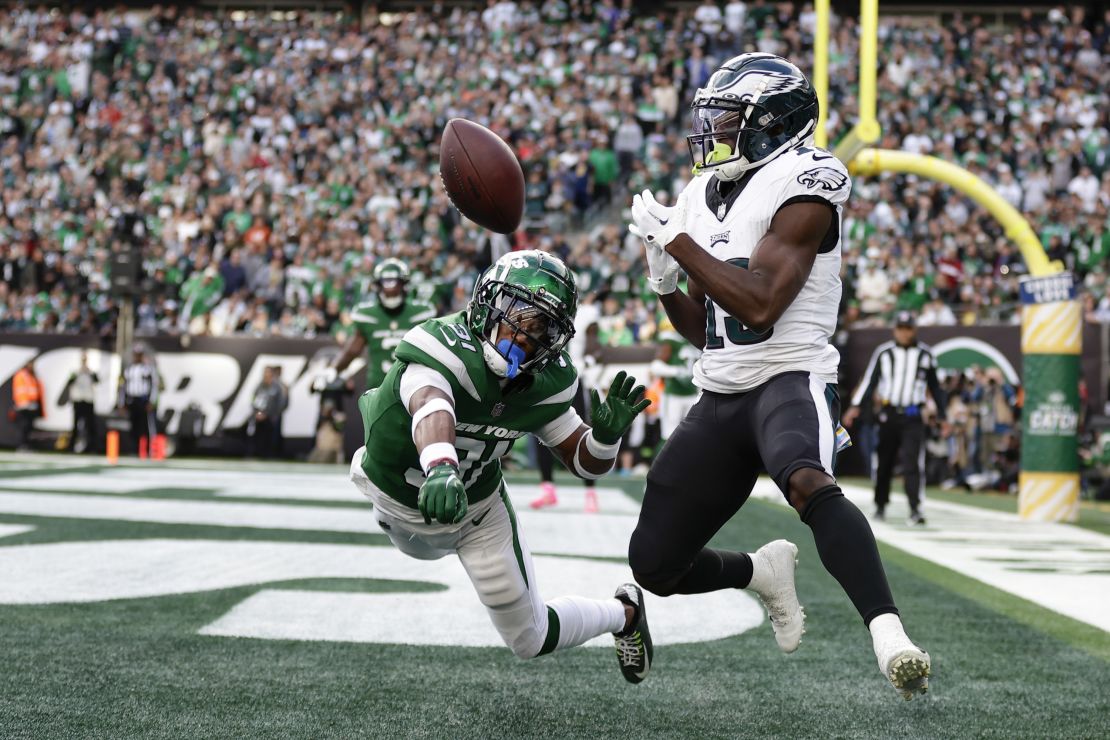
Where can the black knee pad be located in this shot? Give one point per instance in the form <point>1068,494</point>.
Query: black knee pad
<point>648,567</point>
<point>818,497</point>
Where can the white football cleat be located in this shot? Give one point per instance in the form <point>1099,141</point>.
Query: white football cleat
<point>773,581</point>
<point>904,664</point>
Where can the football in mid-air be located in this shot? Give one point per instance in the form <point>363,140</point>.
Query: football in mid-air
<point>481,175</point>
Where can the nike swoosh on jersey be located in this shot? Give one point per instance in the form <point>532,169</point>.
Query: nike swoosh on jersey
<point>478,519</point>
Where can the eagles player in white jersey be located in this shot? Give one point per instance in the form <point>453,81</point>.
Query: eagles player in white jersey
<point>757,232</point>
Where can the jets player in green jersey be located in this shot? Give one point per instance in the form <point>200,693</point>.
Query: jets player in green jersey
<point>674,362</point>
<point>380,323</point>
<point>463,388</point>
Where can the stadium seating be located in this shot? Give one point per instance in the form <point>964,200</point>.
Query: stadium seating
<point>289,155</point>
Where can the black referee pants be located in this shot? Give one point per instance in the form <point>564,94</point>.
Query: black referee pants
<point>901,437</point>
<point>143,423</point>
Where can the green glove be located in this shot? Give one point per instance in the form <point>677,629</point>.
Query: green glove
<point>442,497</point>
<point>610,420</point>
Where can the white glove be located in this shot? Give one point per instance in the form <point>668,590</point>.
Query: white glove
<point>321,382</point>
<point>658,225</point>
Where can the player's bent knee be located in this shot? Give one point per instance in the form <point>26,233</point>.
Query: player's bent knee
<point>526,646</point>
<point>817,498</point>
<point>648,567</point>
<point>526,639</point>
<point>804,484</point>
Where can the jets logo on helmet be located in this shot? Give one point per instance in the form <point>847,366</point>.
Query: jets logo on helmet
<point>752,109</point>
<point>523,311</point>
<point>825,178</point>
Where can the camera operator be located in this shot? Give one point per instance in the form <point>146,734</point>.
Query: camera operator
<point>329,426</point>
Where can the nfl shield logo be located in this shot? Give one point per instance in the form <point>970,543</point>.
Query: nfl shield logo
<point>497,409</point>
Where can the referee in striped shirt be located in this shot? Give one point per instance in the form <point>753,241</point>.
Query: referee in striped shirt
<point>900,371</point>
<point>138,393</point>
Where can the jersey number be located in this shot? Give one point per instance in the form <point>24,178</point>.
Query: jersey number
<point>462,336</point>
<point>736,332</point>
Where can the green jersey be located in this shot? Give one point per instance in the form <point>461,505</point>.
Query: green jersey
<point>487,420</point>
<point>683,355</point>
<point>201,294</point>
<point>383,330</point>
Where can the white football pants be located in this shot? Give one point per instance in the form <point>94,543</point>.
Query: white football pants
<point>496,558</point>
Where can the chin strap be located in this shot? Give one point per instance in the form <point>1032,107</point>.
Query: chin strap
<point>514,355</point>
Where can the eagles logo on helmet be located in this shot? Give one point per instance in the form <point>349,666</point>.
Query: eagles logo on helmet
<point>752,109</point>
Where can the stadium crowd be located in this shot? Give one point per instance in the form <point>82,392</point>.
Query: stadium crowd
<point>265,163</point>
<point>265,168</point>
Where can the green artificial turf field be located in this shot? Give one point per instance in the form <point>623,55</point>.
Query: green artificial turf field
<point>138,667</point>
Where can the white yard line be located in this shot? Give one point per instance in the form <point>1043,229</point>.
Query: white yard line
<point>8,530</point>
<point>546,531</point>
<point>1058,566</point>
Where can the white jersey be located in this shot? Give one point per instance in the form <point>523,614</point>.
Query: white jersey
<point>735,357</point>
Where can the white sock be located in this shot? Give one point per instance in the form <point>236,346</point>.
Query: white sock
<point>887,627</point>
<point>887,635</point>
<point>762,575</point>
<point>582,619</point>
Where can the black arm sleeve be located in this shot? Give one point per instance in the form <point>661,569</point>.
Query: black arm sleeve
<point>935,389</point>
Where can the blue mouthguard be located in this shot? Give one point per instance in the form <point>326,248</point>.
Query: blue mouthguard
<point>512,353</point>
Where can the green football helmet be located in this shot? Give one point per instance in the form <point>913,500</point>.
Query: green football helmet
<point>523,310</point>
<point>391,280</point>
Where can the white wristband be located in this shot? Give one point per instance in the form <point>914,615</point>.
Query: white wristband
<point>431,407</point>
<point>438,451</point>
<point>600,450</point>
<point>608,452</point>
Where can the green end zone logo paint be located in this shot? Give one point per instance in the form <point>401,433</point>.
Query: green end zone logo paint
<point>312,590</point>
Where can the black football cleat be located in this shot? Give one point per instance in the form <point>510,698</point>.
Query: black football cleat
<point>634,648</point>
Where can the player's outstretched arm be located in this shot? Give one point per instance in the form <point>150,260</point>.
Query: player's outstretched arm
<point>779,266</point>
<point>442,495</point>
<point>590,451</point>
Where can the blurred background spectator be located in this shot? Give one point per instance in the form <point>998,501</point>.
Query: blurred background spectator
<point>80,390</point>
<point>267,162</point>
<point>27,402</point>
<point>262,427</point>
